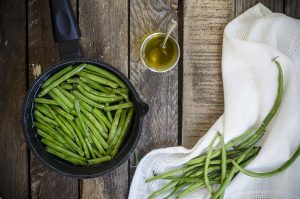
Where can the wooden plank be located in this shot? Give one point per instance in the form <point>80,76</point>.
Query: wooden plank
<point>160,91</point>
<point>43,52</point>
<point>292,8</point>
<point>13,158</point>
<point>243,5</point>
<point>104,28</point>
<point>204,22</point>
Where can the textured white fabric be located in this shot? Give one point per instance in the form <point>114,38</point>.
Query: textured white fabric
<point>250,86</point>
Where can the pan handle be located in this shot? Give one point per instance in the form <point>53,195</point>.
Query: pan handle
<point>65,29</point>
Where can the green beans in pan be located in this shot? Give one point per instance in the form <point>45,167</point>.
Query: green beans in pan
<point>70,118</point>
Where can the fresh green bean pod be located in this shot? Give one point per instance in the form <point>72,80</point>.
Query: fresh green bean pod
<point>114,126</point>
<point>39,120</point>
<point>43,110</point>
<point>72,144</point>
<point>95,85</point>
<point>94,92</point>
<point>164,189</point>
<point>45,118</point>
<point>97,144</point>
<point>62,150</point>
<point>49,131</point>
<point>62,97</point>
<point>56,76</point>
<point>63,113</point>
<point>50,138</point>
<point>59,102</point>
<point>98,79</point>
<point>106,74</point>
<point>66,86</point>
<point>269,173</point>
<point>98,98</point>
<point>119,106</point>
<point>65,157</point>
<point>123,132</point>
<point>97,153</point>
<point>93,124</point>
<point>82,123</point>
<point>98,160</point>
<point>81,139</point>
<point>108,113</point>
<point>66,93</point>
<point>87,100</point>
<point>101,117</point>
<point>89,146</point>
<point>45,101</point>
<point>57,82</point>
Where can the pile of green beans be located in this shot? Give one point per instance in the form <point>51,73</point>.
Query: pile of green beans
<point>219,166</point>
<point>82,114</point>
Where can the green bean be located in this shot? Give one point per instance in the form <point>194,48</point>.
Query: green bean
<point>230,175</point>
<point>67,94</point>
<point>57,82</point>
<point>65,157</point>
<point>99,79</point>
<point>193,188</point>
<point>70,142</point>
<point>114,125</point>
<point>43,110</point>
<point>95,85</point>
<point>67,124</point>
<point>66,86</point>
<point>108,113</point>
<point>165,188</point>
<point>63,113</point>
<point>82,123</point>
<point>90,148</point>
<point>62,97</point>
<point>88,101</point>
<point>98,160</point>
<point>102,123</point>
<point>48,130</point>
<point>85,105</point>
<point>269,173</point>
<point>106,74</point>
<point>97,144</point>
<point>98,98</point>
<point>92,91</point>
<point>97,153</point>
<point>96,133</point>
<point>119,106</point>
<point>59,102</point>
<point>93,124</point>
<point>123,132</point>
<point>118,131</point>
<point>224,158</point>
<point>72,80</point>
<point>119,90</point>
<point>81,139</point>
<point>207,161</point>
<point>62,150</point>
<point>50,138</point>
<point>272,112</point>
<point>99,115</point>
<point>60,123</point>
<point>56,76</point>
<point>45,101</point>
<point>46,119</point>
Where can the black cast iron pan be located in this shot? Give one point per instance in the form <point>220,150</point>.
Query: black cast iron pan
<point>67,34</point>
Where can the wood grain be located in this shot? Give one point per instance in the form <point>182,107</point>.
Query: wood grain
<point>292,8</point>
<point>204,22</point>
<point>242,5</point>
<point>13,150</point>
<point>159,90</point>
<point>104,30</point>
<point>43,53</point>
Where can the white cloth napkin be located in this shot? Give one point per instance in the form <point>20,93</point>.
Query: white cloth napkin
<point>250,86</point>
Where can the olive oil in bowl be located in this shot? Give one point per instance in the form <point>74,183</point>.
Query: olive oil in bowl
<point>157,58</point>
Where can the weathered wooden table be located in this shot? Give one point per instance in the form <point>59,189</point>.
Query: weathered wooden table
<point>184,102</point>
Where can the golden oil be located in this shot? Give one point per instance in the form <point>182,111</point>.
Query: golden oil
<point>155,56</point>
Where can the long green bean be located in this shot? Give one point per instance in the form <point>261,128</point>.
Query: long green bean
<point>87,100</point>
<point>45,101</point>
<point>56,76</point>
<point>61,79</point>
<point>119,106</point>
<point>65,157</point>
